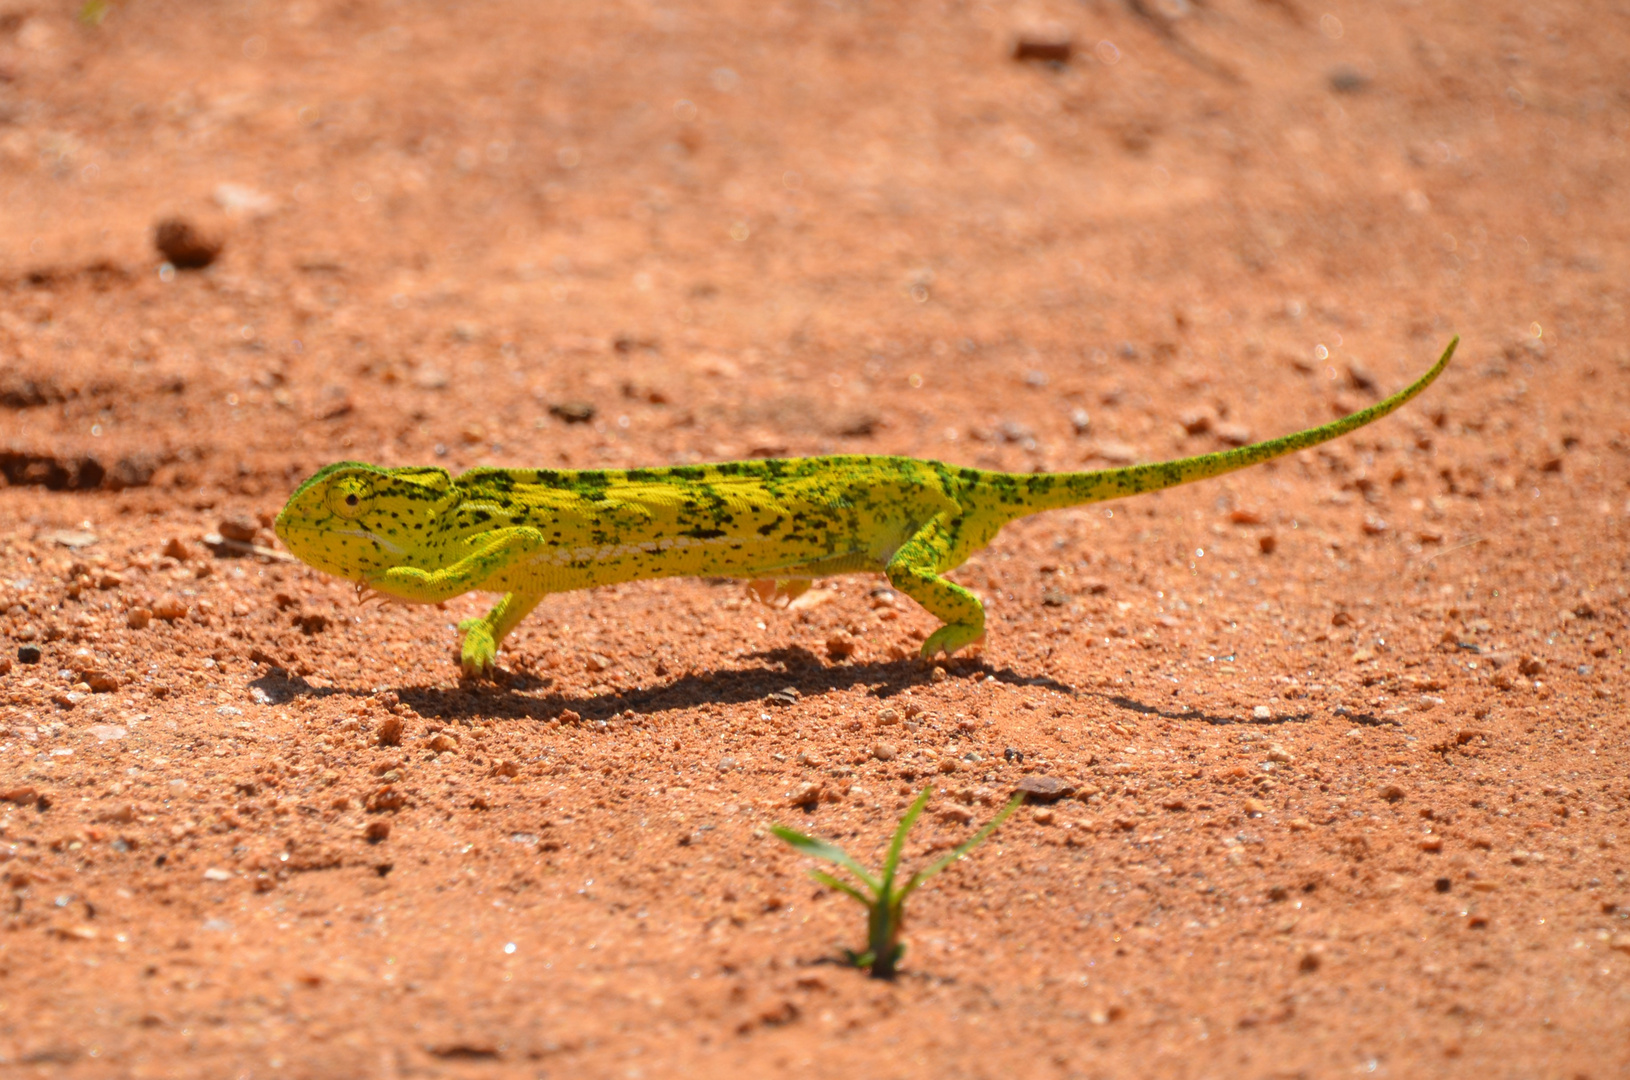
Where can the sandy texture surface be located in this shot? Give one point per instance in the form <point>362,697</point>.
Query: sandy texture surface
<point>1344,736</point>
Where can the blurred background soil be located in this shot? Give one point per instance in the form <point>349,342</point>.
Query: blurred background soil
<point>1343,737</point>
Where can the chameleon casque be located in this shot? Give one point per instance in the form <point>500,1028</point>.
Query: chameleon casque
<point>421,534</point>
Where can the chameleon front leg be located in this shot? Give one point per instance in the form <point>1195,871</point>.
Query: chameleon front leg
<point>481,636</point>
<point>915,571</point>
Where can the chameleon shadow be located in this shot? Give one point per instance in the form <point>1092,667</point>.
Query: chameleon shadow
<point>1133,705</point>
<point>789,675</point>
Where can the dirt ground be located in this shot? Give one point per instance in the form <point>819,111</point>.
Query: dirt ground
<point>1344,735</point>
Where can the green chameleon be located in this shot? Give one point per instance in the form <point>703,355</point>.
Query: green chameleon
<point>423,535</point>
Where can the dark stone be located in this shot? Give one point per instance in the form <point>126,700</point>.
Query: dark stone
<point>131,471</point>
<point>1044,789</point>
<point>28,654</point>
<point>1046,52</point>
<point>573,412</point>
<point>23,392</point>
<point>239,527</point>
<point>58,474</point>
<point>183,245</point>
<point>1346,80</point>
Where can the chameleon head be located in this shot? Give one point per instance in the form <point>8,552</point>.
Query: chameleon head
<point>352,519</point>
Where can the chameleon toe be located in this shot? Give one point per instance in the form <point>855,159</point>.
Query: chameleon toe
<point>480,652</point>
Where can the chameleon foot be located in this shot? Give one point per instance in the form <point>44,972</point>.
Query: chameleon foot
<point>480,651</point>
<point>951,637</point>
<point>778,592</point>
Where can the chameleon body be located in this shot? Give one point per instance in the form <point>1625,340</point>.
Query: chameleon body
<point>421,534</point>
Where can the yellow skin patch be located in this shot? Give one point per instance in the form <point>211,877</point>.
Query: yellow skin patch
<point>423,535</point>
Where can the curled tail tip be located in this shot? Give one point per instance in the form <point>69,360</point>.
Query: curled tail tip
<point>1448,353</point>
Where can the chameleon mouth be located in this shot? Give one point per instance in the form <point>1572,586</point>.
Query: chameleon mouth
<point>316,548</point>
<point>350,553</point>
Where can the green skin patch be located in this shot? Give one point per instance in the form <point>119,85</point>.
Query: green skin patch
<point>421,534</point>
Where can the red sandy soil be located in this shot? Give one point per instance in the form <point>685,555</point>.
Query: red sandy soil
<point>1346,733</point>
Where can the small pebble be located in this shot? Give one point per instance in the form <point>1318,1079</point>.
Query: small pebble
<point>1280,754</point>
<point>949,765</point>
<point>1043,50</point>
<point>573,412</point>
<point>805,793</point>
<point>1043,789</point>
<point>1043,815</point>
<point>239,527</point>
<point>390,731</point>
<point>377,831</point>
<point>137,618</point>
<point>1255,807</point>
<point>1392,793</point>
<point>183,245</point>
<point>28,654</point>
<point>884,751</point>
<point>1262,712</point>
<point>217,874</point>
<point>1268,542</point>
<point>170,608</point>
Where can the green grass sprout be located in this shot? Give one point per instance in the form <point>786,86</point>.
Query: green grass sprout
<point>94,12</point>
<point>885,905</point>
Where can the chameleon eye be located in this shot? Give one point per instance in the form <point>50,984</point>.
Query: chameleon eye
<point>349,498</point>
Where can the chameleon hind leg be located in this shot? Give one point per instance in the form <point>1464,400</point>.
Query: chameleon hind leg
<point>915,571</point>
<point>768,591</point>
<point>483,636</point>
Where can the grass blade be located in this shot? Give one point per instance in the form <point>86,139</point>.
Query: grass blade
<point>817,848</point>
<point>899,843</point>
<point>842,886</point>
<point>966,846</point>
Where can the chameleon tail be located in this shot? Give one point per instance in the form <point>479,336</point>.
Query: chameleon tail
<point>1025,494</point>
